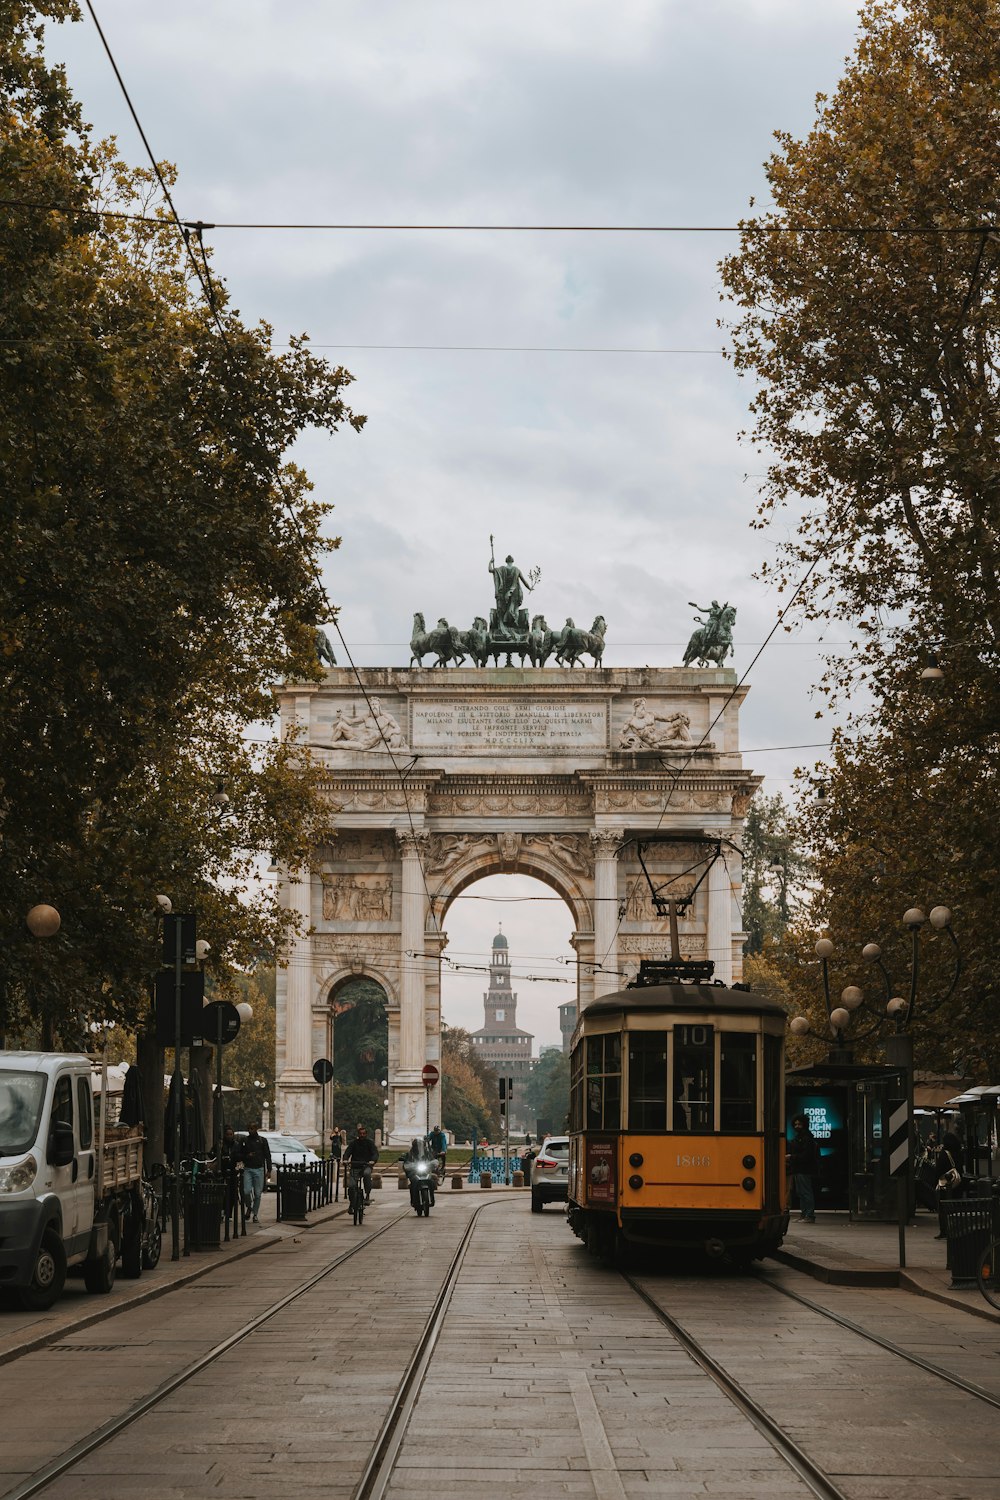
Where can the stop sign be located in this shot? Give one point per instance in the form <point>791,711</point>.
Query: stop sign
<point>429,1076</point>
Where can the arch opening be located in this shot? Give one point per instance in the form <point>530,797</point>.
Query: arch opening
<point>509,997</point>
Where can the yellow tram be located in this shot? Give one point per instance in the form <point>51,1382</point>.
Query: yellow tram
<point>677,1122</point>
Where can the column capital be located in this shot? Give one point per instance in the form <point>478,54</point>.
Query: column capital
<point>605,841</point>
<point>413,841</point>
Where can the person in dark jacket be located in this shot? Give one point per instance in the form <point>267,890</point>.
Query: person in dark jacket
<point>362,1154</point>
<point>438,1143</point>
<point>803,1163</point>
<point>949,1158</point>
<point>256,1156</point>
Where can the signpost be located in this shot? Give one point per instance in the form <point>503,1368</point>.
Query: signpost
<point>221,1022</point>
<point>323,1072</point>
<point>506,1095</point>
<point>429,1078</point>
<point>899,1164</point>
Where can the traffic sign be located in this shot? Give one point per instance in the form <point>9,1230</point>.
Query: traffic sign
<point>220,1022</point>
<point>322,1070</point>
<point>429,1076</point>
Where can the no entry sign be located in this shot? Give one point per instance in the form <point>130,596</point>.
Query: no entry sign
<point>429,1076</point>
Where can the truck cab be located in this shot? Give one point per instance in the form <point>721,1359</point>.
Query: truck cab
<point>56,1211</point>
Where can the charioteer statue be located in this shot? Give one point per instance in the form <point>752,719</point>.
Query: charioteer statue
<point>509,622</point>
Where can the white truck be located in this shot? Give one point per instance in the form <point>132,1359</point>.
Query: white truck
<point>71,1191</point>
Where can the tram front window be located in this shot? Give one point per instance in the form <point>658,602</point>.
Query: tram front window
<point>694,1074</point>
<point>647,1068</point>
<point>738,1081</point>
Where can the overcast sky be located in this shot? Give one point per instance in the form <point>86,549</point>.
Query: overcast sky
<point>619,474</point>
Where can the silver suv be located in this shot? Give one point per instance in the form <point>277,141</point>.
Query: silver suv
<point>549,1182</point>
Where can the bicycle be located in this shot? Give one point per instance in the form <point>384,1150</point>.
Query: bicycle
<point>358,1190</point>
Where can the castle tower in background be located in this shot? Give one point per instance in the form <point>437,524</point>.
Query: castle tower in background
<point>501,1042</point>
<point>567,1020</point>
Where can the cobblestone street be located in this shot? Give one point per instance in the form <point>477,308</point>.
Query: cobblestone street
<point>549,1374</point>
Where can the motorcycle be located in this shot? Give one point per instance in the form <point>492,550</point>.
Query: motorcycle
<point>423,1181</point>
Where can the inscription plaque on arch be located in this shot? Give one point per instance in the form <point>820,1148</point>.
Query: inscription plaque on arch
<point>551,727</point>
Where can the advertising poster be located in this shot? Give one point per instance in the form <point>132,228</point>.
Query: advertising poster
<point>601,1183</point>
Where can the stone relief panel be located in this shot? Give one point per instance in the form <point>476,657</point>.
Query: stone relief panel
<point>353,845</point>
<point>375,944</point>
<point>357,898</point>
<point>654,944</point>
<point>372,799</point>
<point>570,850</point>
<point>446,850</point>
<point>639,905</point>
<point>510,804</point>
<point>637,800</point>
<point>649,728</point>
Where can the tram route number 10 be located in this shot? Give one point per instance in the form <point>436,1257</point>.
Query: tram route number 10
<point>693,1036</point>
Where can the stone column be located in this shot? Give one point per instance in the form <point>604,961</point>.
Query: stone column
<point>606,842</point>
<point>298,1091</point>
<point>409,1100</point>
<point>719,939</point>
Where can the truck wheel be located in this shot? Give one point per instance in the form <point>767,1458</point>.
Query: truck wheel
<point>99,1275</point>
<point>48,1275</point>
<point>536,1201</point>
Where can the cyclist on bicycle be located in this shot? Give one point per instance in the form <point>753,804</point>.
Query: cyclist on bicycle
<point>362,1155</point>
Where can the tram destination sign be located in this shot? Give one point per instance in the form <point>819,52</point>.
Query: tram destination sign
<point>509,724</point>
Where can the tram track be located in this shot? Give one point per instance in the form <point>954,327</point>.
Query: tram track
<point>378,1468</point>
<point>817,1479</point>
<point>968,1386</point>
<point>813,1475</point>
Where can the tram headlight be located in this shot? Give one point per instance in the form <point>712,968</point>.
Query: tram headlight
<point>635,1181</point>
<point>635,1160</point>
<point>749,1183</point>
<point>749,1161</point>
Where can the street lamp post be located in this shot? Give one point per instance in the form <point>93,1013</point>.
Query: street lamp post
<point>897,1010</point>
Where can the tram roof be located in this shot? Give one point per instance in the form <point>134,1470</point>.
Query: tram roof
<point>683,997</point>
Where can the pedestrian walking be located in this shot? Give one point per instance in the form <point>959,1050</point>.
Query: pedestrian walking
<point>949,1173</point>
<point>256,1166</point>
<point>336,1152</point>
<point>230,1158</point>
<point>802,1162</point>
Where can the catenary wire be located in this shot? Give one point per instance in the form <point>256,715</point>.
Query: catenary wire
<point>205,282</point>
<point>203,275</point>
<point>736,687</point>
<point>749,226</point>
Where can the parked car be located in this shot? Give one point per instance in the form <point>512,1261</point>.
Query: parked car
<point>549,1181</point>
<point>286,1151</point>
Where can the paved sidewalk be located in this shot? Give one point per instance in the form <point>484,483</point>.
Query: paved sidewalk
<point>867,1254</point>
<point>77,1308</point>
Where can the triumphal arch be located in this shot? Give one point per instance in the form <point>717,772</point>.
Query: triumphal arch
<point>608,784</point>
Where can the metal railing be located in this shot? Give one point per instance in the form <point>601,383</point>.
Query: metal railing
<point>301,1189</point>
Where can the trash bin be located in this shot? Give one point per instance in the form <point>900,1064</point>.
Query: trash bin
<point>293,1191</point>
<point>206,1205</point>
<point>968,1224</point>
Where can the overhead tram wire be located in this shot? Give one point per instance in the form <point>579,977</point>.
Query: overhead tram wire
<point>203,275</point>
<point>752,226</point>
<point>676,775</point>
<point>205,282</point>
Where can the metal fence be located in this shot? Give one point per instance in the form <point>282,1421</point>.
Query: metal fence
<point>300,1189</point>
